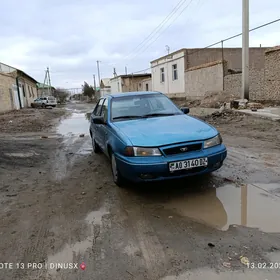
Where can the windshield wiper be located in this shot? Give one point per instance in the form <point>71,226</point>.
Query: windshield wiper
<point>158,115</point>
<point>127,117</point>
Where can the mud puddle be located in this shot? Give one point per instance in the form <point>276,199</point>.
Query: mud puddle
<point>76,142</point>
<point>76,124</point>
<point>75,252</point>
<point>252,205</point>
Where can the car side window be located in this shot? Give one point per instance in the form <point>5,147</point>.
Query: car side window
<point>104,110</point>
<point>98,107</point>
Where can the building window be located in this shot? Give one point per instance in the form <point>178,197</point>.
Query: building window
<point>174,72</point>
<point>162,75</point>
<point>147,87</point>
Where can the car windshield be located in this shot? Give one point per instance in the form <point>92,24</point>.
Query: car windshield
<point>143,106</point>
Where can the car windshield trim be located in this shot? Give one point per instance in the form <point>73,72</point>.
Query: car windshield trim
<point>128,117</point>
<point>159,115</point>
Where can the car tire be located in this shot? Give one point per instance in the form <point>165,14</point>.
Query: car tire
<point>43,105</point>
<point>117,177</point>
<point>95,146</point>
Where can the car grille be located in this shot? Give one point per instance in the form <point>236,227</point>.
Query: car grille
<point>178,149</point>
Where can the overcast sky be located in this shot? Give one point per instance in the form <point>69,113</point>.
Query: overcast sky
<point>69,36</point>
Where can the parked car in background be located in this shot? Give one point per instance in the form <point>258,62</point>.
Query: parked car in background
<point>148,138</point>
<point>44,102</point>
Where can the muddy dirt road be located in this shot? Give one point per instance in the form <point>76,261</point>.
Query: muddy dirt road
<point>59,209</point>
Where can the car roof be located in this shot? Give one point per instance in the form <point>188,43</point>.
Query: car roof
<point>134,93</point>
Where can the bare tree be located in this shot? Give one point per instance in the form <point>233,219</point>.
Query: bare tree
<point>61,94</point>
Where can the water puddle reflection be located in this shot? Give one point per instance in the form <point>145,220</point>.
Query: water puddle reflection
<point>77,123</point>
<point>75,252</point>
<point>256,206</point>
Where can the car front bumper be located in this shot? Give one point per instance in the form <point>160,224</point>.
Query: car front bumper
<point>141,169</point>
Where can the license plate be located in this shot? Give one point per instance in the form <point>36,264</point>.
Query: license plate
<point>187,164</point>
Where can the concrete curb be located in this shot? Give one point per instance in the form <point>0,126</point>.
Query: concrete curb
<point>272,117</point>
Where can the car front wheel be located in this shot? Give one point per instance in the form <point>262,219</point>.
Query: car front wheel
<point>117,177</point>
<point>95,146</point>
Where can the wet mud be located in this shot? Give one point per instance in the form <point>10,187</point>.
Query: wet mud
<point>60,206</point>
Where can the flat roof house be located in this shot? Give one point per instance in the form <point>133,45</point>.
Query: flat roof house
<point>17,89</point>
<point>168,72</point>
<point>128,83</point>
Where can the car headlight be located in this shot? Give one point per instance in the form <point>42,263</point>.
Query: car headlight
<point>141,152</point>
<point>217,140</point>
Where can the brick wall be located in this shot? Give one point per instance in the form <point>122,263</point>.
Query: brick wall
<point>204,78</point>
<point>233,56</point>
<point>264,84</point>
<point>272,74</point>
<point>132,84</point>
<point>233,84</point>
<point>6,85</point>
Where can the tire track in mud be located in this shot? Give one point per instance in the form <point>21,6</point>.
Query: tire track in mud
<point>66,155</point>
<point>143,244</point>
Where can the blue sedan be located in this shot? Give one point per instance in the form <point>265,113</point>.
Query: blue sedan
<point>148,138</point>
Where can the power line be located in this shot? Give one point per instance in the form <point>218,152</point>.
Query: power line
<point>235,36</point>
<point>141,70</point>
<point>227,39</point>
<point>138,52</point>
<point>159,27</point>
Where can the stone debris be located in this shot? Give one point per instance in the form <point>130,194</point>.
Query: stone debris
<point>216,99</point>
<point>239,104</point>
<point>227,265</point>
<point>254,106</point>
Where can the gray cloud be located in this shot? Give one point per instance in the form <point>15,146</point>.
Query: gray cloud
<point>69,35</point>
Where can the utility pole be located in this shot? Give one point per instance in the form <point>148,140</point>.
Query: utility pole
<point>94,82</point>
<point>98,71</point>
<point>114,72</point>
<point>47,82</point>
<point>125,70</point>
<point>167,49</point>
<point>245,49</point>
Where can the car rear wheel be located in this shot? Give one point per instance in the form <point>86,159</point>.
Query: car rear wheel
<point>117,177</point>
<point>43,105</point>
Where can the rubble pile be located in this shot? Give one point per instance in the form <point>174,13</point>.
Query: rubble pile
<point>216,99</point>
<point>224,116</point>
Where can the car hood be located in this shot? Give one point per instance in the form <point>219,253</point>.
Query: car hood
<point>160,131</point>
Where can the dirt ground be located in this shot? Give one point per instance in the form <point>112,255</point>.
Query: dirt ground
<point>60,206</point>
<point>29,120</point>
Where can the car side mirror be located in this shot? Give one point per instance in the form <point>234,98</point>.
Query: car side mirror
<point>185,110</point>
<point>98,120</point>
